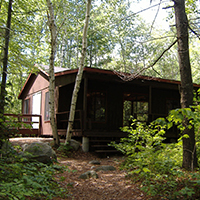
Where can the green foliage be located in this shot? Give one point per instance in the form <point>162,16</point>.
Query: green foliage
<point>64,149</point>
<point>21,179</point>
<point>9,127</point>
<point>156,165</point>
<point>5,132</point>
<point>145,150</point>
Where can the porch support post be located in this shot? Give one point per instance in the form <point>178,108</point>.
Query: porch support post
<point>85,103</point>
<point>150,103</point>
<point>85,144</point>
<point>56,97</point>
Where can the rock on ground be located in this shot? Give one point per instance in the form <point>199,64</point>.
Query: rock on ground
<point>105,168</point>
<point>39,151</point>
<point>89,174</point>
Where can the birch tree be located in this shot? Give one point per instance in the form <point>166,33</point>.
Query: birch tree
<point>79,74</point>
<point>53,30</point>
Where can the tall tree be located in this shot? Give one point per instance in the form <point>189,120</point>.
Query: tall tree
<point>69,35</point>
<point>5,58</point>
<point>53,30</point>
<point>25,34</point>
<point>79,75</point>
<point>186,90</point>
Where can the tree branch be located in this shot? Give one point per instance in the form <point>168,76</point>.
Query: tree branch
<point>155,17</point>
<point>193,31</point>
<point>126,77</point>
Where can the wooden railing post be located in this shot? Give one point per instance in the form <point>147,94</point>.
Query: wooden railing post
<point>40,125</point>
<point>22,129</point>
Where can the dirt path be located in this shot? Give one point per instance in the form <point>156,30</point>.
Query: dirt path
<point>110,185</point>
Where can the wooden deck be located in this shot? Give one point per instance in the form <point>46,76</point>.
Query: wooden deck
<point>24,124</point>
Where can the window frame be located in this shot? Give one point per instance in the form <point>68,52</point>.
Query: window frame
<point>26,107</point>
<point>47,107</point>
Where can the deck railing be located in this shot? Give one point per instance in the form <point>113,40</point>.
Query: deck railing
<point>62,122</point>
<point>24,124</point>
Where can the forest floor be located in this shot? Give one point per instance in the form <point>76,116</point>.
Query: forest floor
<point>110,185</point>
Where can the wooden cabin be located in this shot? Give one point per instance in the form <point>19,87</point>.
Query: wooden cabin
<point>105,102</point>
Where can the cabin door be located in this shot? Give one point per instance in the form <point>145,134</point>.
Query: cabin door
<point>36,108</point>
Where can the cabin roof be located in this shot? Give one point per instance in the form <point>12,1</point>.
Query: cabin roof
<point>43,70</point>
<point>114,73</point>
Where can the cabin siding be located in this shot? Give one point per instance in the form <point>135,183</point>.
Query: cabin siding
<point>41,85</point>
<point>114,106</point>
<point>161,95</point>
<point>159,101</point>
<point>65,97</point>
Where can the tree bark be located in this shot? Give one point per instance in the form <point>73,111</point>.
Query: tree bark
<point>79,75</point>
<point>186,89</point>
<point>53,30</point>
<point>5,59</point>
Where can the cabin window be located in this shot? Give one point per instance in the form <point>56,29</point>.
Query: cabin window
<point>26,106</point>
<point>96,106</point>
<point>26,109</point>
<point>47,108</point>
<point>135,107</point>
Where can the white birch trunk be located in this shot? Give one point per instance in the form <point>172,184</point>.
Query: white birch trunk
<point>63,52</point>
<point>53,30</point>
<point>79,75</point>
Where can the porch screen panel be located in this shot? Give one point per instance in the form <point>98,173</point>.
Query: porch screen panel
<point>135,107</point>
<point>140,110</point>
<point>127,112</point>
<point>97,106</point>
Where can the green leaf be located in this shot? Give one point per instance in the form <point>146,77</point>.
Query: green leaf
<point>137,171</point>
<point>186,136</point>
<point>146,170</point>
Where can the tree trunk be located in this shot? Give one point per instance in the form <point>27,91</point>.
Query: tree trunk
<point>63,51</point>
<point>186,90</point>
<point>5,59</point>
<point>53,30</point>
<point>79,75</point>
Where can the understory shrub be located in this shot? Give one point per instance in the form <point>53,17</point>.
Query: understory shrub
<point>21,179</point>
<point>64,149</point>
<point>156,165</point>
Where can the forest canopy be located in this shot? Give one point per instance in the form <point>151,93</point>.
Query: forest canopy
<point>118,38</point>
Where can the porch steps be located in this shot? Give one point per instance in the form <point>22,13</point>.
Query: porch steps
<point>96,141</point>
<point>101,145</point>
<point>107,151</point>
